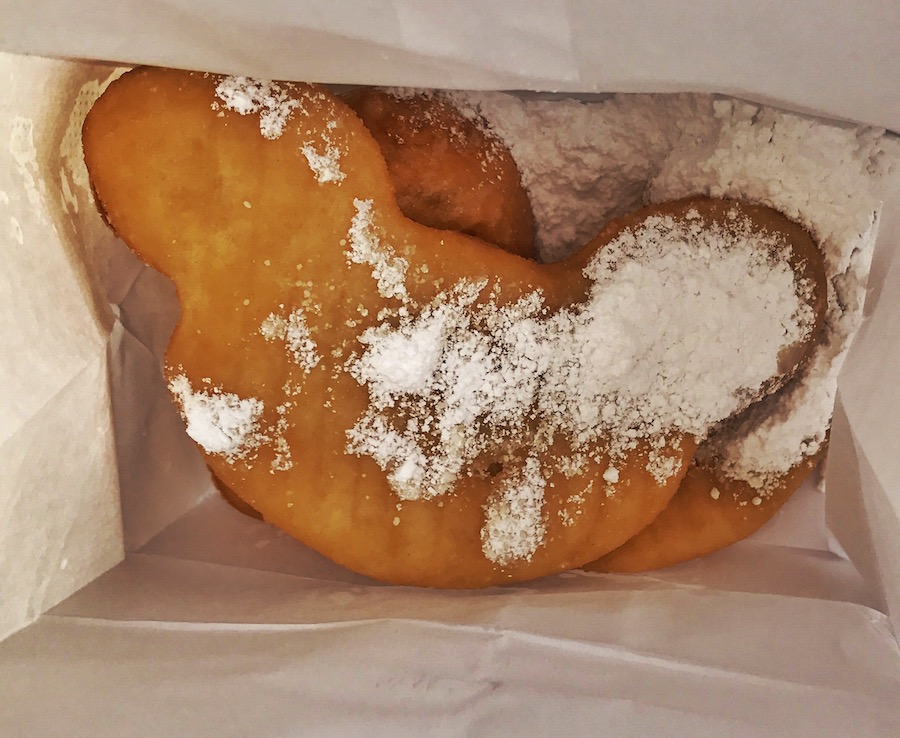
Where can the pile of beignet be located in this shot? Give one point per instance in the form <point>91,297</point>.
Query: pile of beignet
<point>370,358</point>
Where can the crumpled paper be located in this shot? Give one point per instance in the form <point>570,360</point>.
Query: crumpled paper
<point>839,60</point>
<point>863,506</point>
<point>216,624</point>
<point>59,526</point>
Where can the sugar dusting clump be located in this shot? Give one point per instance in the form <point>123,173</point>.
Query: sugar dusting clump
<point>583,164</point>
<point>326,165</point>
<point>468,376</point>
<point>220,422</point>
<point>366,247</point>
<point>514,524</point>
<point>274,102</point>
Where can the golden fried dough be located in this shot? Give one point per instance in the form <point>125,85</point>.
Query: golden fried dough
<point>258,222</point>
<point>709,513</point>
<point>711,510</point>
<point>448,172</point>
<point>417,404</point>
<point>232,499</point>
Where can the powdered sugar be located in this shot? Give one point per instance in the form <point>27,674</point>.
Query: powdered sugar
<point>402,362</point>
<point>388,269</point>
<point>274,102</point>
<point>514,525</point>
<point>673,307</point>
<point>296,336</point>
<point>220,422</point>
<point>325,165</point>
<point>465,376</point>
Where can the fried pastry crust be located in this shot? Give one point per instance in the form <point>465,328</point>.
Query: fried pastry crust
<point>448,171</point>
<point>278,203</point>
<point>711,510</point>
<point>248,230</point>
<point>709,513</point>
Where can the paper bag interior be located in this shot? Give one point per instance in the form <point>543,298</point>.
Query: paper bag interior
<point>97,475</point>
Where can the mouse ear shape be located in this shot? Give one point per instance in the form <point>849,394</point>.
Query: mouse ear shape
<point>179,163</point>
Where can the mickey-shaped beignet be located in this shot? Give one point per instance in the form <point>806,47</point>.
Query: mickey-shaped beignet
<point>416,404</point>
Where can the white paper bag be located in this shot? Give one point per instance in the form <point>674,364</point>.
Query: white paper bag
<point>216,624</point>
